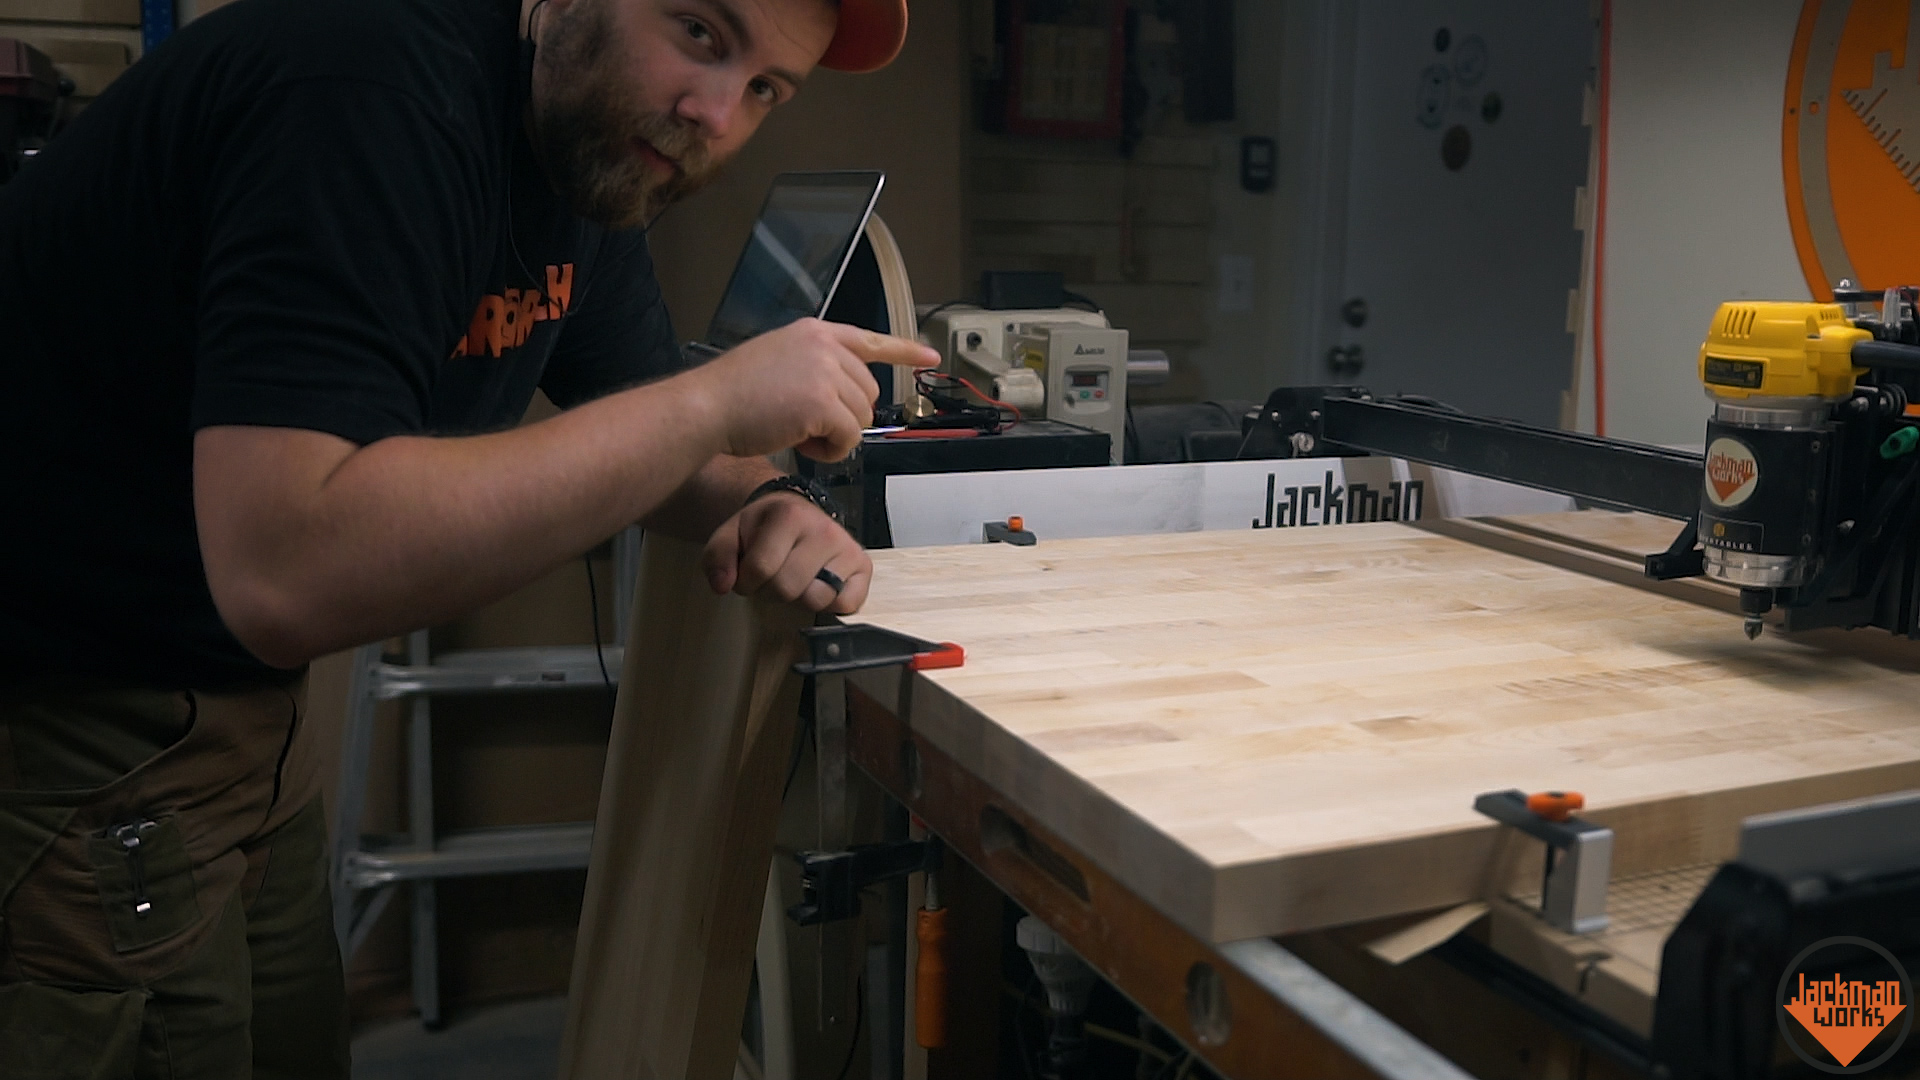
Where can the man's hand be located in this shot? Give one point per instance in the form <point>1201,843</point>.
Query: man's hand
<point>804,386</point>
<point>777,545</point>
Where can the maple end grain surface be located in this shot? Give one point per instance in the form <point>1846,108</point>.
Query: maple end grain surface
<point>1270,731</point>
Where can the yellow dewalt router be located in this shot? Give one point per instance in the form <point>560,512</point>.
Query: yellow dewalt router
<point>1808,472</point>
<point>1805,496</point>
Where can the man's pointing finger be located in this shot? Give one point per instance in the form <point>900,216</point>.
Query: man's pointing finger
<point>875,348</point>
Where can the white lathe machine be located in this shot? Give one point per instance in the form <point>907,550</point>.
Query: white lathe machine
<point>1062,364</point>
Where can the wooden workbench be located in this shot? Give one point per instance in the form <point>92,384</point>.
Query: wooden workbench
<point>1269,731</point>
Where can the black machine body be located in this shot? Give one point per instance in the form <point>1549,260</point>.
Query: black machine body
<point>1825,504</point>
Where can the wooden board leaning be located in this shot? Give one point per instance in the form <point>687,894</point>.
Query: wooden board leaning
<point>702,732</point>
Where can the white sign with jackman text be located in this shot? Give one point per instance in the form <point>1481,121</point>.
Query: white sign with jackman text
<point>1131,500</point>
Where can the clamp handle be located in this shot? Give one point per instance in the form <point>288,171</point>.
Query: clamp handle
<point>1556,805</point>
<point>1011,531</point>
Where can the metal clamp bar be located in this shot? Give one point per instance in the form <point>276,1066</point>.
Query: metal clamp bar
<point>853,646</point>
<point>1376,1041</point>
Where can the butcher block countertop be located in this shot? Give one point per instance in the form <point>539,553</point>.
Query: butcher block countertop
<point>1268,731</point>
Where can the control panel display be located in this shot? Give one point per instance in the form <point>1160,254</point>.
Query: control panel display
<point>1085,386</point>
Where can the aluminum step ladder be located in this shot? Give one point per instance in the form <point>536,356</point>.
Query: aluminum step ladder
<point>367,869</point>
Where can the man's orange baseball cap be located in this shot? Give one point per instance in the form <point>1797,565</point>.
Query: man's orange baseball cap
<point>869,35</point>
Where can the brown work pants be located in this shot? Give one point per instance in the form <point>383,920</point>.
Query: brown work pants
<point>164,907</point>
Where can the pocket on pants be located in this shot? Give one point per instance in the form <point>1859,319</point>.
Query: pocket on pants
<point>47,1033</point>
<point>145,880</point>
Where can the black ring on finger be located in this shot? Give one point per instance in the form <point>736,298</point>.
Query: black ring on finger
<point>833,581</point>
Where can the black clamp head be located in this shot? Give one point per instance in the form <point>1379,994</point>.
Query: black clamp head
<point>831,881</point>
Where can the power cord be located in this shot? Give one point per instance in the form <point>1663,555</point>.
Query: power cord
<point>859,1014</point>
<point>801,737</point>
<point>599,651</point>
<point>1072,297</point>
<point>1424,401</point>
<point>942,390</point>
<point>938,308</point>
<point>1143,1046</point>
<point>1185,1063</point>
<point>1019,1026</point>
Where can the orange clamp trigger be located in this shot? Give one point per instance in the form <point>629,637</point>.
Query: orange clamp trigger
<point>1555,805</point>
<point>946,655</point>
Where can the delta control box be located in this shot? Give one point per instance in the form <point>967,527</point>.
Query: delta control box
<point>1085,372</point>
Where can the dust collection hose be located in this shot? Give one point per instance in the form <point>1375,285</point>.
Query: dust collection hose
<point>1887,355</point>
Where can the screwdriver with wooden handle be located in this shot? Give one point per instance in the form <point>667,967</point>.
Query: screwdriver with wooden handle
<point>930,973</point>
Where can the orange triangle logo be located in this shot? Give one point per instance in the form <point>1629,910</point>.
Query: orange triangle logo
<point>1729,470</point>
<point>1845,1016</point>
<point>1726,488</point>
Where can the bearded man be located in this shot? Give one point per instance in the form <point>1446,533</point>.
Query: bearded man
<point>276,302</point>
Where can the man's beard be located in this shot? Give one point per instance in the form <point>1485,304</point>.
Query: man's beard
<point>584,130</point>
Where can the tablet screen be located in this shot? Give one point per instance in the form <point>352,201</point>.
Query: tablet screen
<point>800,244</point>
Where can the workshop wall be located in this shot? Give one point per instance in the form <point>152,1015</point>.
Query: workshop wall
<point>1152,237</point>
<point>1696,201</point>
<point>1160,233</point>
<point>1249,309</point>
<point>1696,206</point>
<point>89,41</point>
<point>906,119</point>
<point>1130,233</point>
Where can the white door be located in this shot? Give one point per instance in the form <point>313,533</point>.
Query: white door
<point>1466,151</point>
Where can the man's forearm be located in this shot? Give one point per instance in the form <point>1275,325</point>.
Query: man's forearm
<point>406,532</point>
<point>312,544</point>
<point>710,497</point>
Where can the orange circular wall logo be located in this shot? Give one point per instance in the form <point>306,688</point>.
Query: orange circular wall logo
<point>1851,143</point>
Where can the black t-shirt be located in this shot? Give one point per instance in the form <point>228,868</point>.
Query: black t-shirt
<point>319,215</point>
